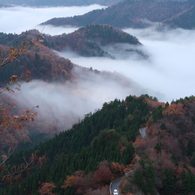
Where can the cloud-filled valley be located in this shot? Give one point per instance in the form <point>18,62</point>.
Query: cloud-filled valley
<point>167,73</point>
<point>19,19</point>
<point>169,68</point>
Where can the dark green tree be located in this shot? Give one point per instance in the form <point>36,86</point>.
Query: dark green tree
<point>157,147</point>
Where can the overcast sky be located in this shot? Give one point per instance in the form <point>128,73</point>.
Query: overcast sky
<point>168,73</point>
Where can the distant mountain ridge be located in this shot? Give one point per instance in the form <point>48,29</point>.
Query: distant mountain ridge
<point>131,13</point>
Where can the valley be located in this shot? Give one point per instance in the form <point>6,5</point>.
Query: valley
<point>87,99</point>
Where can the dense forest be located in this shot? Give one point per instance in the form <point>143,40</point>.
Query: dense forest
<point>136,14</point>
<point>107,144</point>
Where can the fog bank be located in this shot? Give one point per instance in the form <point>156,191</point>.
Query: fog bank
<point>168,73</point>
<point>19,19</point>
<point>65,103</point>
<point>168,70</point>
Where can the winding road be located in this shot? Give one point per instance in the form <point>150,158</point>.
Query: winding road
<point>115,185</point>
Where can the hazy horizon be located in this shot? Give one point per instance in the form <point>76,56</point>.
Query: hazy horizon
<point>18,19</point>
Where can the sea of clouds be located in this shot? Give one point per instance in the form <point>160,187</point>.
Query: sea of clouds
<point>167,73</point>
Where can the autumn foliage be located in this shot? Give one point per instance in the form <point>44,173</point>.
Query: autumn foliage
<point>46,188</point>
<point>103,174</point>
<point>174,109</point>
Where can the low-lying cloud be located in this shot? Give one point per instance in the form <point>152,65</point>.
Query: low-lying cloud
<point>19,19</point>
<point>168,70</point>
<point>168,73</point>
<point>65,103</point>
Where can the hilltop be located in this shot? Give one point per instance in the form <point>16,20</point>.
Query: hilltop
<point>91,39</point>
<point>44,63</point>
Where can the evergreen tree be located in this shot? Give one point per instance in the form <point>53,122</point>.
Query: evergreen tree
<point>188,185</point>
<point>157,147</point>
<point>190,147</point>
<point>192,161</point>
<point>168,183</point>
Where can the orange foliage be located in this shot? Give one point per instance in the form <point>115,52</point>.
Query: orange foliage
<point>174,109</point>
<point>138,142</point>
<point>103,174</point>
<point>117,168</point>
<point>69,182</point>
<point>11,127</point>
<point>14,174</point>
<point>153,103</point>
<point>46,188</point>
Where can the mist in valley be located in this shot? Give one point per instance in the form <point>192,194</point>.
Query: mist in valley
<point>19,19</point>
<point>167,72</point>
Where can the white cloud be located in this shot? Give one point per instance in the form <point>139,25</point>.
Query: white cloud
<point>19,19</point>
<point>63,104</point>
<point>169,69</point>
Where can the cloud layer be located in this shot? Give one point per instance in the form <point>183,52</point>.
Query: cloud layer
<point>168,73</point>
<point>19,19</point>
<point>169,68</point>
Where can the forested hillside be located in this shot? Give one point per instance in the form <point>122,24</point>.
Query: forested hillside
<point>104,136</point>
<point>40,60</point>
<point>132,13</point>
<point>183,20</point>
<point>86,41</point>
<point>89,41</point>
<point>44,64</point>
<point>107,144</point>
<point>149,145</point>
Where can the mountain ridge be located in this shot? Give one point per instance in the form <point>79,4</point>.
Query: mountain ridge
<point>128,14</point>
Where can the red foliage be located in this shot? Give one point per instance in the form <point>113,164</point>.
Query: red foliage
<point>46,188</point>
<point>154,104</point>
<point>174,109</point>
<point>103,174</point>
<point>117,168</point>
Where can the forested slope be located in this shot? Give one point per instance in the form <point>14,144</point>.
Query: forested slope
<point>130,13</point>
<point>107,144</point>
<point>183,20</point>
<point>44,64</point>
<point>87,41</point>
<point>105,135</point>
